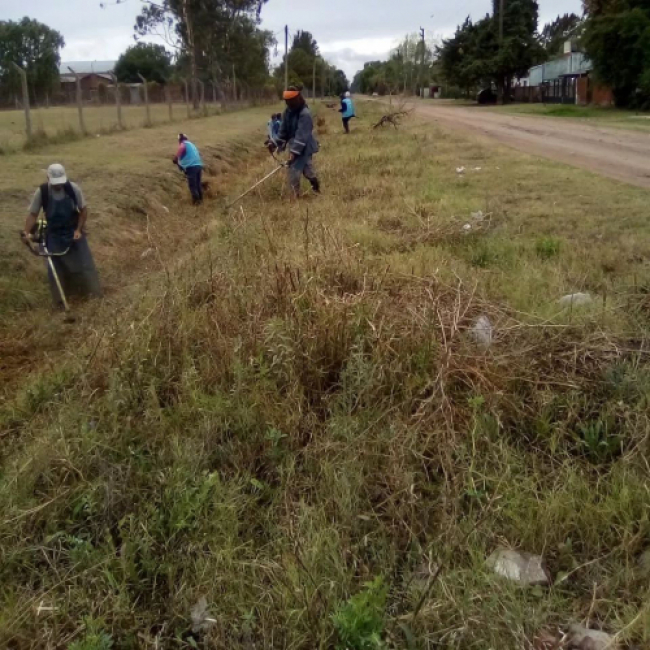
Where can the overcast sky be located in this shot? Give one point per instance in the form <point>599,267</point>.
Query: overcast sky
<point>349,32</point>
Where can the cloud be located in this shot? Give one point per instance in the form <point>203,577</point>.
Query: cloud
<point>350,55</point>
<point>349,33</point>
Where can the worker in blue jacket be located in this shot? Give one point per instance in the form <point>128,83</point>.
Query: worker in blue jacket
<point>189,160</point>
<point>347,111</point>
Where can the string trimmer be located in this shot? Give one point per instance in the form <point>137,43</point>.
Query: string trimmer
<point>281,165</point>
<point>42,251</point>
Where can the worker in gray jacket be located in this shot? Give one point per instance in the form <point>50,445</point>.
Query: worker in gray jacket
<point>296,133</point>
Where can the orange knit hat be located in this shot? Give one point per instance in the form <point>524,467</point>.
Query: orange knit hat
<point>292,93</point>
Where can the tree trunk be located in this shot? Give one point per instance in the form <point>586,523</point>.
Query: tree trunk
<point>192,48</point>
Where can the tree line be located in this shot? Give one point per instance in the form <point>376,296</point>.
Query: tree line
<point>216,42</point>
<point>307,68</point>
<point>411,64</point>
<point>496,50</point>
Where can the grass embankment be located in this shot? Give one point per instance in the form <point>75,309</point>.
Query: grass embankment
<point>297,409</point>
<point>136,198</point>
<point>596,115</point>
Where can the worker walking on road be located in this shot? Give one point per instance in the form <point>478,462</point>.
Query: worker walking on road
<point>189,160</point>
<point>347,111</point>
<point>61,232</point>
<point>297,133</point>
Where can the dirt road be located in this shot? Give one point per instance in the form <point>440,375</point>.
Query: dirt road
<point>623,155</point>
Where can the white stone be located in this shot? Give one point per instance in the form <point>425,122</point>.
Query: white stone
<point>460,170</point>
<point>200,615</point>
<point>482,331</point>
<point>519,566</point>
<point>575,300</point>
<point>581,638</point>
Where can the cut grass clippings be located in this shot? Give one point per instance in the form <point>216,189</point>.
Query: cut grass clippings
<point>276,441</point>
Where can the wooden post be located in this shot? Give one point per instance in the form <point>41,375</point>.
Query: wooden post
<point>234,82</point>
<point>420,79</point>
<point>187,99</point>
<point>168,98</point>
<point>25,87</point>
<point>286,57</point>
<point>313,81</point>
<point>118,101</point>
<point>146,98</point>
<point>322,82</point>
<point>80,107</point>
<point>500,85</point>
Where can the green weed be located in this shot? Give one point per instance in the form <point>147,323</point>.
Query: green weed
<point>547,247</point>
<point>94,638</point>
<point>360,621</point>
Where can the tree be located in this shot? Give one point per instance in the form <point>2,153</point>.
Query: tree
<point>204,32</point>
<point>302,56</point>
<point>617,40</point>
<point>476,55</point>
<point>403,69</point>
<point>305,41</point>
<point>520,49</point>
<point>35,47</point>
<point>554,34</point>
<point>153,62</point>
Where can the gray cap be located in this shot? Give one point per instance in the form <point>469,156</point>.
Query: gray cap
<point>56,174</point>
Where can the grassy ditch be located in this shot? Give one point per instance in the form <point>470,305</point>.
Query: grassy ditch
<point>290,437</point>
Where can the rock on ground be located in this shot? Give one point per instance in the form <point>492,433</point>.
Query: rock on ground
<point>519,566</point>
<point>482,332</point>
<point>581,638</point>
<point>575,300</point>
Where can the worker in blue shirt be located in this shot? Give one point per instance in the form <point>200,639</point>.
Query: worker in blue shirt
<point>347,111</point>
<point>189,160</point>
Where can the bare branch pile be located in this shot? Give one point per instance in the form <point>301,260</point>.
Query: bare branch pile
<point>393,118</point>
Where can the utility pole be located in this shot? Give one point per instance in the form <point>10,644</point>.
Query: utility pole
<point>500,88</point>
<point>322,81</point>
<point>313,81</point>
<point>286,56</point>
<point>501,9</point>
<point>422,62</point>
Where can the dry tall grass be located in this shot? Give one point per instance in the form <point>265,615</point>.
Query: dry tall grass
<point>291,431</point>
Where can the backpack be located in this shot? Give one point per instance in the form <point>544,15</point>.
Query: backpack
<point>37,230</point>
<point>67,188</point>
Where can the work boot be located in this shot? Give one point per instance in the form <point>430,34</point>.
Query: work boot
<point>315,185</point>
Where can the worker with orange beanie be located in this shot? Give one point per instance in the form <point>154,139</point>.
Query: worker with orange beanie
<point>297,133</point>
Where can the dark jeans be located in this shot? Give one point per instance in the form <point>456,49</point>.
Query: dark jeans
<point>194,182</point>
<point>346,124</point>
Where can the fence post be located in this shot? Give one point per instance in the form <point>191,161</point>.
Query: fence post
<point>187,99</point>
<point>146,98</point>
<point>118,101</point>
<point>28,115</point>
<point>80,108</point>
<point>168,97</point>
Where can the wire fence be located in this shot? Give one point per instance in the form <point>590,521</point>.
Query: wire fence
<point>97,104</point>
